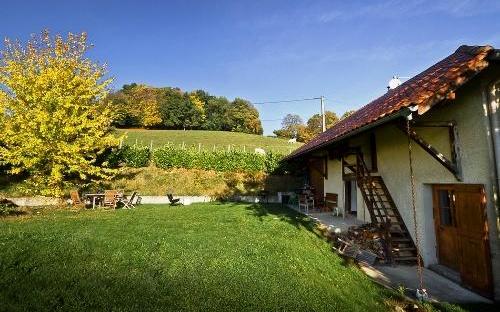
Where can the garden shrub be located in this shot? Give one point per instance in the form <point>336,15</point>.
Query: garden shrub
<point>7,207</point>
<point>131,156</point>
<point>135,156</point>
<point>112,158</point>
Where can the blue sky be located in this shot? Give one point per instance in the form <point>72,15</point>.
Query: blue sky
<point>266,50</point>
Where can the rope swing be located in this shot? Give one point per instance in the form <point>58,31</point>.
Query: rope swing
<point>421,293</point>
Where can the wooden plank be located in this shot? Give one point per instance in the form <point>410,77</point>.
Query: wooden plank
<point>455,151</point>
<point>373,152</point>
<point>431,150</point>
<point>442,124</point>
<point>326,167</point>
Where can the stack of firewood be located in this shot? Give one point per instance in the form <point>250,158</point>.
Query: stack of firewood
<point>367,237</point>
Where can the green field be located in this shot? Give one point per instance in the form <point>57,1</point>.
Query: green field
<point>204,257</point>
<point>207,140</point>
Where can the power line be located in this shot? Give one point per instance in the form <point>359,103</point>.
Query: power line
<point>287,101</point>
<point>281,119</point>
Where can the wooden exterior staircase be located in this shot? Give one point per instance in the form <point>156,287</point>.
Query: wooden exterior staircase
<point>383,212</point>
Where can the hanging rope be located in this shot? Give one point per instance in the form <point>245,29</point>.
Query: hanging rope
<point>421,292</point>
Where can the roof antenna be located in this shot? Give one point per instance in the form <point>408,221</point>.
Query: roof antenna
<point>395,82</point>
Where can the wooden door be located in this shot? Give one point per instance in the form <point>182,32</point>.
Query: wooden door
<point>472,230</point>
<point>445,224</point>
<point>462,233</point>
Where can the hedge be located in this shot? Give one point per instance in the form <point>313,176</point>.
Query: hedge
<point>131,156</point>
<point>171,156</point>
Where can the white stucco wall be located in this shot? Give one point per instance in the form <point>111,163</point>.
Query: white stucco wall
<point>334,183</point>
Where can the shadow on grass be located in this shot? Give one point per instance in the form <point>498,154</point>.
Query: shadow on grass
<point>285,214</point>
<point>298,220</point>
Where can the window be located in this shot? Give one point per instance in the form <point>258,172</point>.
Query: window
<point>445,208</point>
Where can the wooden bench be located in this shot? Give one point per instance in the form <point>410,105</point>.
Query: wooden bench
<point>331,202</point>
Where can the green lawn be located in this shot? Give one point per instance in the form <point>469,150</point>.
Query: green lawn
<point>204,257</point>
<point>207,139</point>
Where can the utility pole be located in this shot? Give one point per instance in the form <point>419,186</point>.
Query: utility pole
<point>321,98</point>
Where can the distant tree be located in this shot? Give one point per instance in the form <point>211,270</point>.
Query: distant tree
<point>347,114</point>
<point>125,116</point>
<point>137,105</point>
<point>217,112</point>
<point>314,124</point>
<point>203,95</point>
<point>55,120</point>
<point>197,107</point>
<point>244,117</point>
<point>144,104</point>
<point>291,125</point>
<point>173,107</point>
<point>129,87</point>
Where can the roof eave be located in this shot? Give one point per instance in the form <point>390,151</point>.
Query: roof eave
<point>403,112</point>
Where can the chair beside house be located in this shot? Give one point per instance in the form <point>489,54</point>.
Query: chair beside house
<point>306,202</point>
<point>332,203</point>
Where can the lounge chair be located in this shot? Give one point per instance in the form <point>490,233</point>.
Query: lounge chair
<point>173,201</point>
<point>127,204</point>
<point>76,201</point>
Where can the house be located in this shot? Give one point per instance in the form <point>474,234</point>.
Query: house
<point>441,127</point>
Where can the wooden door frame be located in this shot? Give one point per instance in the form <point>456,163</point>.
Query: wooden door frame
<point>437,217</point>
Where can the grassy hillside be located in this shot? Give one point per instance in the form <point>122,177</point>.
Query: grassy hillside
<point>208,140</point>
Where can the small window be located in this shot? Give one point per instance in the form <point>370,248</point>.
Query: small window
<point>445,210</point>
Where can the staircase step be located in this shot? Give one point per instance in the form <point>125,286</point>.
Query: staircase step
<point>396,249</point>
<point>397,231</point>
<point>409,258</point>
<point>385,216</point>
<point>400,239</point>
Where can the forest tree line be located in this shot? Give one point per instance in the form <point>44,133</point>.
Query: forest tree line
<point>143,106</point>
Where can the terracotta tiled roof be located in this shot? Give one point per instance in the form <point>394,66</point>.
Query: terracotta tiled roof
<point>426,89</point>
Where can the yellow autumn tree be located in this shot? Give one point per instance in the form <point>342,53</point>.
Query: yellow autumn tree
<point>54,121</point>
<point>199,108</point>
<point>145,105</point>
